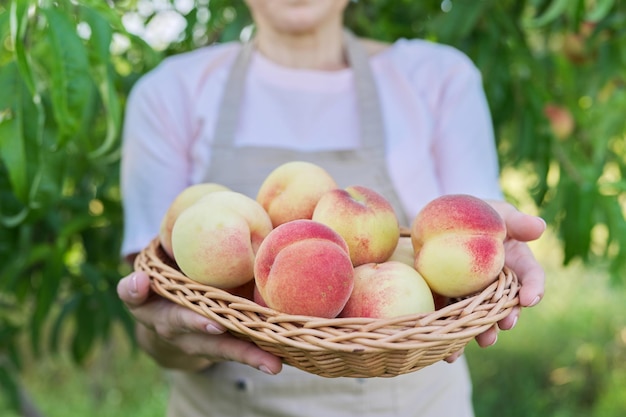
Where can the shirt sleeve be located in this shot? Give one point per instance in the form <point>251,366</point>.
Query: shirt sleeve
<point>155,164</point>
<point>464,144</point>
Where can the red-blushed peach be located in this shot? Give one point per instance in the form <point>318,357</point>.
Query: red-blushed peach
<point>456,265</point>
<point>257,298</point>
<point>456,213</point>
<point>388,289</point>
<point>303,268</point>
<point>183,200</point>
<point>364,218</point>
<point>215,239</point>
<point>291,191</point>
<point>561,120</point>
<point>459,244</point>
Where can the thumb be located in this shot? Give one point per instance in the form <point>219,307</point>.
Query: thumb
<point>524,227</point>
<point>134,289</point>
<point>519,226</point>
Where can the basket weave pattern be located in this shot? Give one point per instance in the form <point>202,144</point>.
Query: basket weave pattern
<point>339,347</point>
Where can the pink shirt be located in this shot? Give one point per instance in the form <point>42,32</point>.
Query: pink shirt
<point>438,128</point>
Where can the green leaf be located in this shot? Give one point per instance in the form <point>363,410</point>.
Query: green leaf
<point>556,9</point>
<point>67,308</point>
<point>16,268</point>
<point>9,386</point>
<point>460,21</point>
<point>50,169</point>
<point>19,26</point>
<point>100,57</point>
<point>31,113</point>
<point>600,11</point>
<point>616,226</point>
<point>76,225</point>
<point>69,66</point>
<point>47,293</point>
<point>579,201</point>
<point>12,149</point>
<point>85,333</point>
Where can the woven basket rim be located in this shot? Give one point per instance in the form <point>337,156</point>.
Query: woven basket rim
<point>338,347</point>
<point>464,318</point>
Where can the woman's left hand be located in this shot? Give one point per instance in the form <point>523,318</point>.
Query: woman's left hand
<point>521,228</point>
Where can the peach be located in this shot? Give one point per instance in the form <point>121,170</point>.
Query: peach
<point>256,296</point>
<point>459,244</point>
<point>364,218</point>
<point>562,122</point>
<point>389,289</point>
<point>404,252</point>
<point>291,191</point>
<point>303,268</point>
<point>183,200</point>
<point>459,265</point>
<point>215,240</point>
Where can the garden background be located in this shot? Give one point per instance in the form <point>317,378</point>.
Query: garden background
<point>554,75</point>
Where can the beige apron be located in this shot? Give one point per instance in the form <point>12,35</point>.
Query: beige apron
<point>232,389</point>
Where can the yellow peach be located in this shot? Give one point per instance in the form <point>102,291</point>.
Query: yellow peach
<point>291,191</point>
<point>389,289</point>
<point>364,218</point>
<point>459,244</point>
<point>215,239</point>
<point>456,265</point>
<point>183,200</point>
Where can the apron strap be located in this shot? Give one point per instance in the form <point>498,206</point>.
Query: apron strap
<point>228,111</point>
<point>368,101</point>
<point>369,109</point>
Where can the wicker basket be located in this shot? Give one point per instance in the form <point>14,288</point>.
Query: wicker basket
<point>340,347</point>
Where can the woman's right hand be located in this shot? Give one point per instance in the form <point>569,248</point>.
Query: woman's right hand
<point>177,337</point>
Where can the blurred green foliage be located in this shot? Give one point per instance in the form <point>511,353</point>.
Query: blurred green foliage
<point>552,69</point>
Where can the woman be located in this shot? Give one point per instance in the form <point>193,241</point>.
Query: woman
<point>407,119</point>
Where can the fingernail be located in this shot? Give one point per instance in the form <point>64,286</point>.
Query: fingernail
<point>213,329</point>
<point>545,225</point>
<point>535,301</point>
<point>495,339</point>
<point>514,322</point>
<point>134,288</point>
<point>265,370</point>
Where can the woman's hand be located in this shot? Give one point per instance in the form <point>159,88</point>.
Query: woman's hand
<point>521,228</point>
<point>177,337</point>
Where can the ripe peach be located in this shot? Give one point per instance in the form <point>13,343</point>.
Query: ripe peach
<point>215,239</point>
<point>364,218</point>
<point>303,267</point>
<point>404,252</point>
<point>183,200</point>
<point>459,265</point>
<point>459,244</point>
<point>291,191</point>
<point>561,121</point>
<point>388,289</point>
<point>256,296</point>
